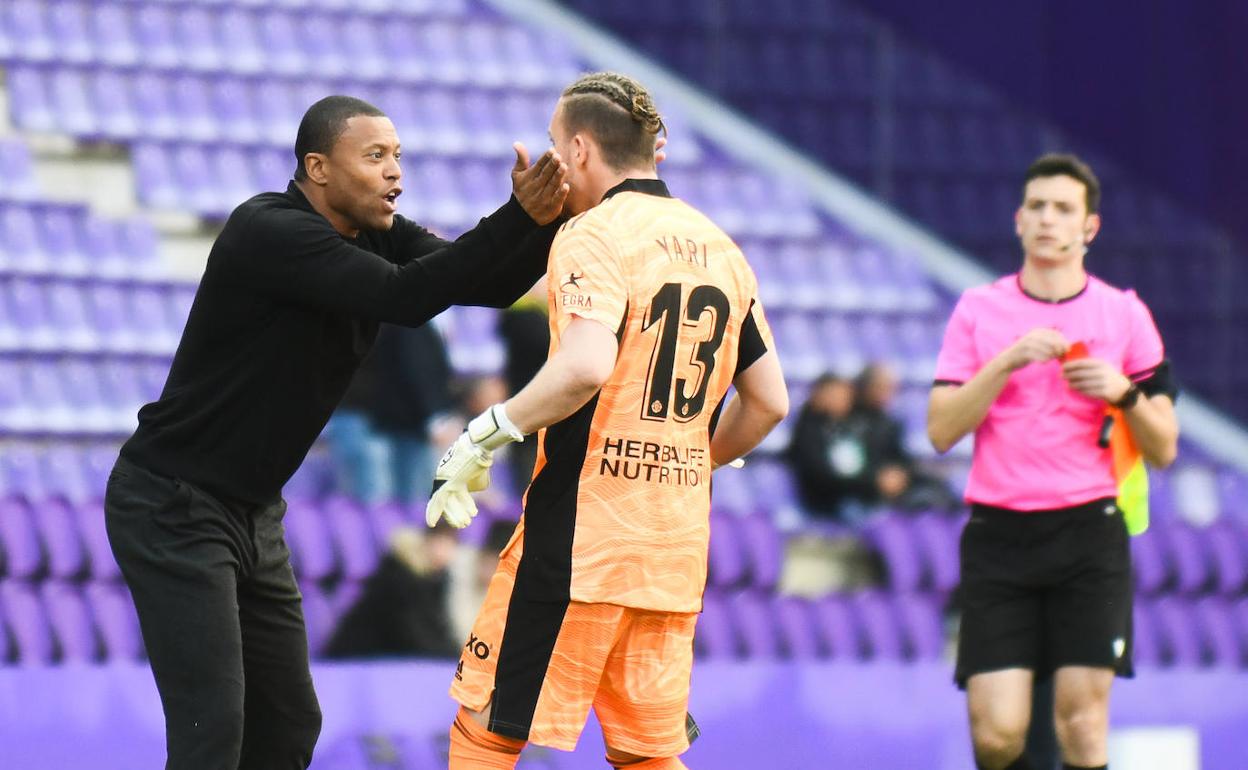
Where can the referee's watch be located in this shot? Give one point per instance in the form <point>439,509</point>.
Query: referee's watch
<point>1129,398</point>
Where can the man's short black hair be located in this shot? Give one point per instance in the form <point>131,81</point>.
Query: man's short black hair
<point>324,122</point>
<point>1066,164</point>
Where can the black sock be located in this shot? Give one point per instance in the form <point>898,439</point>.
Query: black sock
<point>1081,767</point>
<point>1022,763</point>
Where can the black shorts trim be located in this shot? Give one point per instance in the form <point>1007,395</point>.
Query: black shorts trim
<point>528,644</point>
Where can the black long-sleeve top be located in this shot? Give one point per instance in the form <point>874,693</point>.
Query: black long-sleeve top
<point>286,309</point>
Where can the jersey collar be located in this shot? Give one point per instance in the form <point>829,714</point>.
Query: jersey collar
<point>647,186</point>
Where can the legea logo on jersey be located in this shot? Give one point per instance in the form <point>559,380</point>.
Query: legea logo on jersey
<point>569,293</point>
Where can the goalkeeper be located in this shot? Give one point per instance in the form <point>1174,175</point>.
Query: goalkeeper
<point>654,313</point>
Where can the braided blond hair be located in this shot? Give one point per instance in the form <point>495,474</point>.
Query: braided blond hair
<point>625,93</point>
<point>619,113</point>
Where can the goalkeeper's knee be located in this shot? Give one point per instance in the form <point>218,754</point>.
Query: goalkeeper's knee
<point>622,761</point>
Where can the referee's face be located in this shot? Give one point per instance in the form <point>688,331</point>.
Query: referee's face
<point>362,174</point>
<point>1053,223</point>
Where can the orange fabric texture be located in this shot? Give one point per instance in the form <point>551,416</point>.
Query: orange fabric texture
<point>663,763</point>
<point>473,747</point>
<point>633,667</point>
<point>678,291</point>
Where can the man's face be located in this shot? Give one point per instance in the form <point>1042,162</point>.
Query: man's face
<point>362,173</point>
<point>572,149</point>
<point>1053,223</point>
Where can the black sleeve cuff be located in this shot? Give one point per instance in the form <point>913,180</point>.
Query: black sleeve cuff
<point>750,346</point>
<point>940,383</point>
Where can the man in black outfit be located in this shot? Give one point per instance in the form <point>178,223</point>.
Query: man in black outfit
<point>290,301</point>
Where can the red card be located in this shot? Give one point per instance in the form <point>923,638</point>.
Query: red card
<point>1077,350</point>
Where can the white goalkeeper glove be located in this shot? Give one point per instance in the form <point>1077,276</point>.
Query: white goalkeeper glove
<point>465,468</point>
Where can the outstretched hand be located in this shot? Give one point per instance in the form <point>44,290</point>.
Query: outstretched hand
<point>540,188</point>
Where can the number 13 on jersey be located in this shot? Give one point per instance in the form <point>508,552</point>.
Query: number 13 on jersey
<point>680,332</point>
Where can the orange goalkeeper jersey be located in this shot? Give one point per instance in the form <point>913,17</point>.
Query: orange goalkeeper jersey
<point>618,508</point>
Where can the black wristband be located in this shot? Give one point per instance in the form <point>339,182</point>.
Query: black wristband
<point>1129,398</point>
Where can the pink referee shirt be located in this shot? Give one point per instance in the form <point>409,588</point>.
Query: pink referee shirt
<point>1037,447</point>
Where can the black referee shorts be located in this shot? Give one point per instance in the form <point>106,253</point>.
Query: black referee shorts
<point>1045,589</point>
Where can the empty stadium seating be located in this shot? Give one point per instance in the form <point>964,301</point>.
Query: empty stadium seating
<point>207,96</point>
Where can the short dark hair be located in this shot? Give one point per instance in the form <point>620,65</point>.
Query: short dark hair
<point>619,113</point>
<point>1067,164</point>
<point>324,122</point>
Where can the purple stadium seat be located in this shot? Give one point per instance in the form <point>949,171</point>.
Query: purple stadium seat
<point>920,619</point>
<point>241,49</point>
<point>67,317</point>
<point>28,98</point>
<point>311,546</point>
<point>56,524</point>
<point>892,536</point>
<point>839,628</point>
<point>14,412</point>
<point>19,239</point>
<point>714,636</point>
<point>1217,629</point>
<point>115,620</point>
<point>1192,565</point>
<point>1145,639</point>
<point>1149,564</point>
<point>727,566</point>
<point>68,23</point>
<point>19,181</point>
<point>95,538</point>
<point>384,518</point>
<point>279,36</point>
<point>60,236</point>
<point>154,176</point>
<point>114,35</point>
<point>196,35</point>
<point>1226,543</point>
<point>71,622</point>
<point>64,473</point>
<point>46,392</point>
<point>756,626</point>
<point>732,493</point>
<point>97,464</point>
<point>799,633</point>
<point>154,36</point>
<point>71,99</point>
<point>23,553</point>
<point>27,622</point>
<point>22,474</point>
<point>29,31</point>
<point>1177,627</point>
<point>936,535</point>
<point>881,631</point>
<point>193,109</point>
<point>764,550</point>
<point>350,530</point>
<point>1233,494</point>
<point>318,616</point>
<point>110,98</point>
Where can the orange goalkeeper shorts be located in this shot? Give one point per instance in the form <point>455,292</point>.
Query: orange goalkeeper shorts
<point>546,663</point>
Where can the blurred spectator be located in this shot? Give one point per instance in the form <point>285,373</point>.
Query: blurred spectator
<point>403,609</point>
<point>471,573</point>
<point>525,329</point>
<point>381,437</point>
<point>897,480</point>
<point>848,455</point>
<point>828,455</point>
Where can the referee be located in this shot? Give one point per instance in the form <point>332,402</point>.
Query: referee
<point>290,302</point>
<point>1046,573</point>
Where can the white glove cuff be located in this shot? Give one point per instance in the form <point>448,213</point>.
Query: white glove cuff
<point>492,429</point>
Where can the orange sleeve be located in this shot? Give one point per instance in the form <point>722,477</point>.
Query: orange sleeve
<point>586,275</point>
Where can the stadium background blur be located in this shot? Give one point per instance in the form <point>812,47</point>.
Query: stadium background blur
<point>867,158</point>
